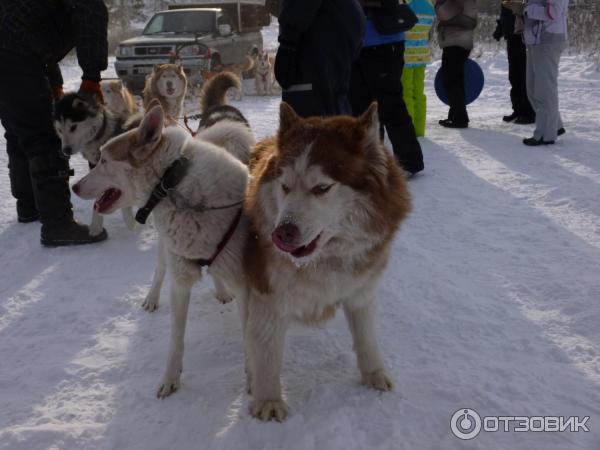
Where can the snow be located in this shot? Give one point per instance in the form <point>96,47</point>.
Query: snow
<point>490,302</point>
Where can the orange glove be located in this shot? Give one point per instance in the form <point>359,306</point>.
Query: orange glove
<point>91,88</point>
<point>57,92</point>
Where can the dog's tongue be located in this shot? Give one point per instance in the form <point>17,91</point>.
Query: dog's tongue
<point>282,245</point>
<point>107,199</point>
<point>297,252</point>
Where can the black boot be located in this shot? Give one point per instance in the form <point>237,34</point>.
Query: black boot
<point>21,189</point>
<point>50,175</point>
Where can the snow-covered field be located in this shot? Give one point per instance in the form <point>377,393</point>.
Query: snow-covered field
<point>491,301</point>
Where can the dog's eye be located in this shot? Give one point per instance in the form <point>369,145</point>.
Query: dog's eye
<point>73,128</point>
<point>102,161</point>
<point>285,188</point>
<point>321,189</point>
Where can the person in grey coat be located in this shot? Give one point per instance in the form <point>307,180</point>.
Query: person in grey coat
<point>545,35</point>
<point>455,29</point>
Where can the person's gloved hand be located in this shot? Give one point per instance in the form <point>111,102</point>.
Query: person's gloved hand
<point>285,64</point>
<point>57,92</point>
<point>90,88</point>
<point>498,31</point>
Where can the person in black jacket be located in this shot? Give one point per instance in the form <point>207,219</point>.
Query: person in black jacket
<point>377,76</point>
<point>318,41</point>
<point>34,36</point>
<point>522,113</point>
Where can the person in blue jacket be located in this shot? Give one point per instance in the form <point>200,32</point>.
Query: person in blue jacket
<point>318,41</point>
<point>377,75</point>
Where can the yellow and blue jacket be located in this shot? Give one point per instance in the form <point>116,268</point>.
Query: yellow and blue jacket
<point>417,52</point>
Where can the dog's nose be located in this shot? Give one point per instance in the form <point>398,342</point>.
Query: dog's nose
<point>76,188</point>
<point>169,83</point>
<point>287,232</point>
<point>67,151</point>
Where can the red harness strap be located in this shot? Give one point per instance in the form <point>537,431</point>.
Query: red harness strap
<point>224,241</point>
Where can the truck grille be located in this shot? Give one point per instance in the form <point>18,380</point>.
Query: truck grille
<point>150,51</point>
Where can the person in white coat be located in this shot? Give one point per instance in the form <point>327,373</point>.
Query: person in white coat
<point>545,35</point>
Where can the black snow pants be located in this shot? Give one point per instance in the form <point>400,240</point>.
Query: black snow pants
<point>38,173</point>
<point>376,76</point>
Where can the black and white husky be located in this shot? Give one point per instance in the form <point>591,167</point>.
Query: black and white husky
<point>84,125</point>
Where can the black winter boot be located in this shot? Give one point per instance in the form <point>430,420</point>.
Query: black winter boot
<point>21,189</point>
<point>50,175</point>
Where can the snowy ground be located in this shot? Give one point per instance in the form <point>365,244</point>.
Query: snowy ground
<point>490,302</point>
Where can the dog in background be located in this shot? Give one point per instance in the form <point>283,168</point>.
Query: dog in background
<point>168,85</point>
<point>238,70</point>
<point>118,99</point>
<point>263,74</point>
<point>213,101</point>
<point>83,125</point>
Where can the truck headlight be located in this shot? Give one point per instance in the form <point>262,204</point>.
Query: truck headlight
<point>124,50</point>
<point>193,50</point>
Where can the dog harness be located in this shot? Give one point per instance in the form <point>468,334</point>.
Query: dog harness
<point>166,189</point>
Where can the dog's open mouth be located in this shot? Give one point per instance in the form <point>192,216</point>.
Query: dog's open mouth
<point>296,252</point>
<point>106,200</point>
<point>170,91</point>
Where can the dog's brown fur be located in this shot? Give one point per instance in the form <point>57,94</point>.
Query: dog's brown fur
<point>237,69</point>
<point>356,217</point>
<point>120,101</point>
<point>336,150</point>
<point>215,89</point>
<point>151,91</point>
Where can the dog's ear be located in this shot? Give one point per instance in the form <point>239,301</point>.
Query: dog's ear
<point>287,117</point>
<point>180,68</point>
<point>150,130</point>
<point>156,67</point>
<point>369,122</point>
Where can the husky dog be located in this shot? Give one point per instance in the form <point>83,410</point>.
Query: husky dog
<point>118,99</point>
<point>167,84</point>
<point>213,102</point>
<point>263,74</point>
<point>325,200</point>
<point>200,222</point>
<point>238,70</point>
<point>84,125</point>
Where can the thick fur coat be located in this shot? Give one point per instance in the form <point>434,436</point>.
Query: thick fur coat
<point>324,201</point>
<point>168,85</point>
<point>132,165</point>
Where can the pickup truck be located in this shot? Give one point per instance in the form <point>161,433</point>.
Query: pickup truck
<point>199,38</point>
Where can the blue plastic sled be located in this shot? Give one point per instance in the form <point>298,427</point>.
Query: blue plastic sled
<point>474,81</point>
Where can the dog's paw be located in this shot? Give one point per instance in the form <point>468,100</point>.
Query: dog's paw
<point>266,410</point>
<point>169,386</point>
<point>379,380</point>
<point>150,303</point>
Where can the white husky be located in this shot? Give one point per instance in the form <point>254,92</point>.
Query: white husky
<point>198,224</point>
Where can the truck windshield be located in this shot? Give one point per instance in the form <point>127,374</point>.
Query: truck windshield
<point>181,22</point>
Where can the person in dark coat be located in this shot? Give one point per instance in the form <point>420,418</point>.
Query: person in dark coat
<point>457,20</point>
<point>522,113</point>
<point>34,36</point>
<point>318,41</point>
<point>377,75</point>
